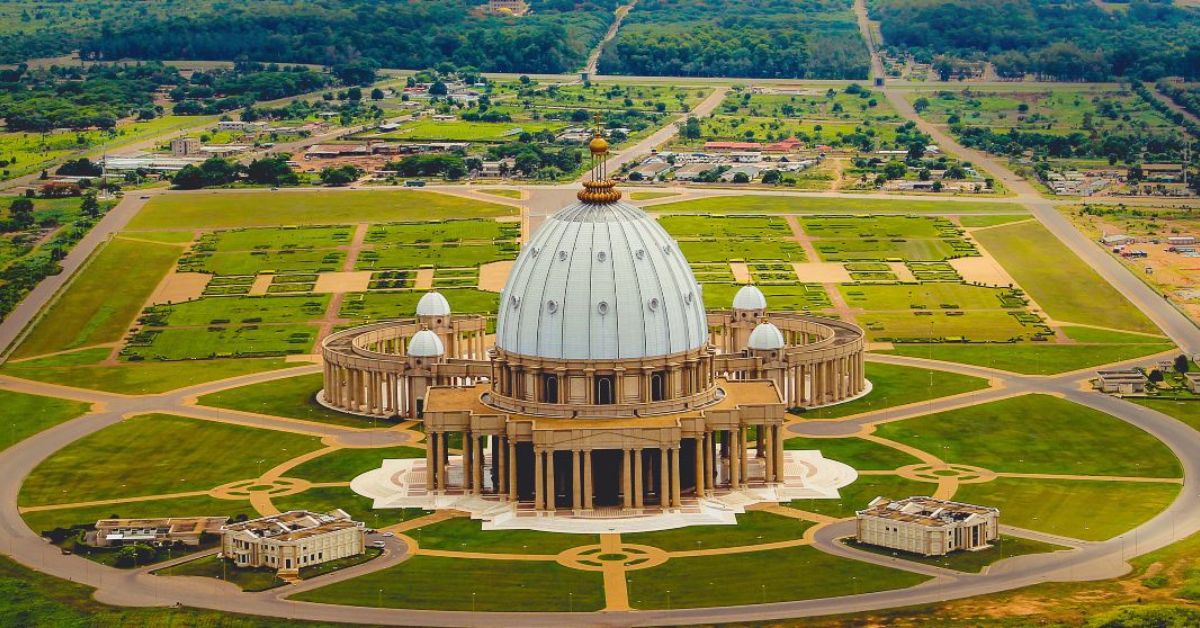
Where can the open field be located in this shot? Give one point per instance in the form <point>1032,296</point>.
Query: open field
<point>385,305</point>
<point>1022,108</point>
<point>1030,358</point>
<point>140,378</point>
<point>248,310</point>
<point>753,528</point>
<point>1187,411</point>
<point>1067,288</point>
<point>344,465</point>
<point>765,204</point>
<point>91,311</point>
<point>249,341</point>
<point>462,534</point>
<point>857,452</point>
<point>758,577</point>
<point>227,210</point>
<point>1091,511</point>
<point>925,296</point>
<point>25,415</point>
<point>1028,434</point>
<point>465,584</point>
<point>811,103</point>
<point>741,249</point>
<point>980,326</point>
<point>893,385</point>
<point>452,255</point>
<point>292,397</point>
<point>144,456</point>
<point>725,227</point>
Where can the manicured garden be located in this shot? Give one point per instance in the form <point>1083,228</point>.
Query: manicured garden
<point>753,528</point>
<point>344,465</point>
<point>462,534</point>
<point>158,454</point>
<point>292,397</point>
<point>1030,433</point>
<point>894,385</point>
<point>857,452</point>
<point>1031,358</point>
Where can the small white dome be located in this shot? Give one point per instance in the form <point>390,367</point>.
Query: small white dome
<point>433,304</point>
<point>749,298</point>
<point>766,337</point>
<point>426,344</point>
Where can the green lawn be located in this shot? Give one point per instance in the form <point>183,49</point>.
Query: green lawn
<point>925,296</point>
<point>749,204</point>
<point>1091,511</point>
<point>893,385</point>
<point>158,454</point>
<point>196,506</point>
<point>249,310</point>
<point>977,325</point>
<point>211,211</point>
<point>989,221</point>
<point>758,577</point>
<point>22,416</point>
<point>1031,358</point>
<point>292,397</point>
<point>142,378</point>
<point>253,262</point>
<point>753,528</point>
<point>447,255</point>
<point>1028,434</point>
<point>330,498</point>
<point>211,567</point>
<point>389,305</point>
<point>1066,287</point>
<point>725,227</point>
<point>93,310</point>
<point>462,534</point>
<point>235,341</point>
<point>793,298</point>
<point>970,562</point>
<point>856,452</point>
<point>344,465</point>
<point>857,495</point>
<point>741,249</point>
<point>464,584</point>
<point>339,564</point>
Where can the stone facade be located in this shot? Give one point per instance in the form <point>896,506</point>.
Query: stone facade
<point>289,541</point>
<point>927,526</point>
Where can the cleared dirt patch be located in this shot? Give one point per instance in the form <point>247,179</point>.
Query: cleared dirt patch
<point>333,283</point>
<point>493,276</point>
<point>984,270</point>
<point>822,272</point>
<point>179,287</point>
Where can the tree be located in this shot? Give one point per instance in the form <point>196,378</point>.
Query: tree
<point>438,89</point>
<point>1182,364</point>
<point>82,167</point>
<point>377,94</point>
<point>272,170</point>
<point>691,129</point>
<point>894,170</point>
<point>921,104</point>
<point>771,177</point>
<point>20,213</point>
<point>360,72</point>
<point>89,205</point>
<point>741,177</point>
<point>1155,376</point>
<point>340,175</point>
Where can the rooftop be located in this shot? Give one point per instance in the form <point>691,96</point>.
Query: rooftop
<point>924,510</point>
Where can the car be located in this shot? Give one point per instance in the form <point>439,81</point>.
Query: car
<point>379,544</point>
<point>389,534</point>
<point>145,196</point>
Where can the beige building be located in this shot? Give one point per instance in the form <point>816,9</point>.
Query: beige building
<point>186,530</point>
<point>1129,381</point>
<point>609,389</point>
<point>508,7</point>
<point>927,526</point>
<point>186,147</point>
<point>291,540</point>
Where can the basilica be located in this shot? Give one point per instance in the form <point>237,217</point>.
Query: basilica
<point>607,389</point>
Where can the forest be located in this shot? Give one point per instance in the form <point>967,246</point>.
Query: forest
<point>226,89</point>
<point>556,37</point>
<point>56,97</point>
<point>1067,40</point>
<point>813,39</point>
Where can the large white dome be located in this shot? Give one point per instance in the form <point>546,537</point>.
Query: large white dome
<point>601,281</point>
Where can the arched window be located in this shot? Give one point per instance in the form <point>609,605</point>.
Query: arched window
<point>658,387</point>
<point>604,390</point>
<point>550,388</point>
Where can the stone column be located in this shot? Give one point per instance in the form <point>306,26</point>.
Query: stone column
<point>576,502</point>
<point>664,476</point>
<point>441,461</point>
<point>512,470</point>
<point>626,473</point>
<point>500,462</point>
<point>766,442</point>
<point>676,499</point>
<point>709,480</point>
<point>639,487</point>
<point>699,466</point>
<point>735,465</point>
<point>430,444</point>
<point>477,466</point>
<point>539,481</point>
<point>468,461</point>
<point>758,442</point>
<point>743,453</point>
<point>780,456</point>
<point>588,489</point>
<point>550,495</point>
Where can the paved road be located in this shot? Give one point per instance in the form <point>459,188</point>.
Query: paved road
<point>594,58</point>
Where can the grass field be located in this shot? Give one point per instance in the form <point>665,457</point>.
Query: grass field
<point>970,562</point>
<point>1066,287</point>
<point>1186,411</point>
<point>464,584</point>
<point>292,397</point>
<point>175,343</point>
<point>325,499</point>
<point>445,255</point>
<point>387,305</point>
<point>893,385</point>
<point>725,227</point>
<point>979,326</point>
<point>754,204</point>
<point>463,534</point>
<point>759,577</point>
<point>753,528</point>
<point>1030,358</point>
<point>158,454</point>
<point>91,311</point>
<point>1099,444</point>
<point>250,310</point>
<point>344,465</point>
<point>856,452</point>
<point>1091,511</point>
<point>259,579</point>
<point>741,249</point>
<point>925,296</point>
<point>794,298</point>
<point>214,211</point>
<point>140,378</point>
<point>463,131</point>
<point>24,415</point>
